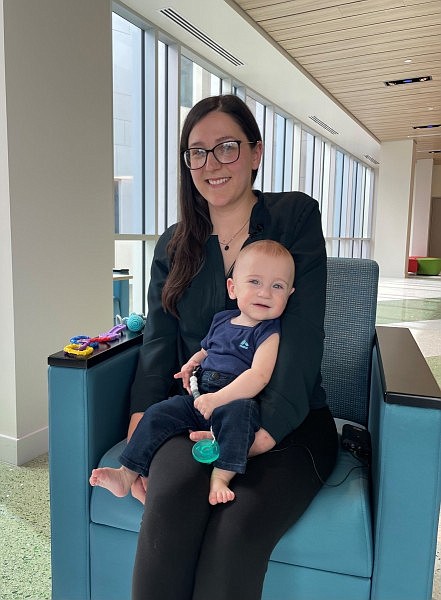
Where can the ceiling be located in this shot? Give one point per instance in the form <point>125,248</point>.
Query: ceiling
<point>351,47</point>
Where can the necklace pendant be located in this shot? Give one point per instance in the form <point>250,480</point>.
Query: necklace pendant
<point>226,246</point>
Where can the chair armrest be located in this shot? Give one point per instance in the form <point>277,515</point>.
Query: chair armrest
<point>88,413</point>
<point>405,425</point>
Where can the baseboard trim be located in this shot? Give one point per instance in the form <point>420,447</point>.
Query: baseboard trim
<point>18,451</point>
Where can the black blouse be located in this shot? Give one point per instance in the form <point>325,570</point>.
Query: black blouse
<point>293,219</point>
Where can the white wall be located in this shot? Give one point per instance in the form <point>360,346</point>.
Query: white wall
<point>7,346</point>
<point>393,207</point>
<point>436,181</point>
<point>56,184</point>
<point>421,207</point>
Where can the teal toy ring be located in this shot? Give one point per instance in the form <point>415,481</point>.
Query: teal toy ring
<point>206,451</point>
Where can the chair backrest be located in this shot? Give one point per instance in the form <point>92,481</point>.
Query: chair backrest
<point>351,303</point>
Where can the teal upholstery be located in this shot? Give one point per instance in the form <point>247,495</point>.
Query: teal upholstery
<point>371,538</point>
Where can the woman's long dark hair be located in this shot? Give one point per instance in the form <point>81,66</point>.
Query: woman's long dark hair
<point>186,247</point>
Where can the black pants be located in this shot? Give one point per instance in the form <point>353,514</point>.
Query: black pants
<point>190,550</point>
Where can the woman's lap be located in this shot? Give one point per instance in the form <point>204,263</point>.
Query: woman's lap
<point>226,546</point>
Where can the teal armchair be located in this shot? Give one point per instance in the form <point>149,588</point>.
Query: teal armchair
<point>373,537</point>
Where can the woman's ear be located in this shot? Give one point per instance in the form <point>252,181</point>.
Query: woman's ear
<point>257,154</point>
<point>230,288</point>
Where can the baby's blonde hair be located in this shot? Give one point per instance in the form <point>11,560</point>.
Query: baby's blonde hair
<point>269,248</point>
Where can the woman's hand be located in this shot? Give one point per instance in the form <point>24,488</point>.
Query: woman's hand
<point>197,436</point>
<point>262,442</point>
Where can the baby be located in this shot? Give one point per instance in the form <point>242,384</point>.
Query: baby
<point>235,362</point>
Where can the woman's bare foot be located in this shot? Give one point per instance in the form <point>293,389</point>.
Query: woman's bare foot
<point>219,490</point>
<point>117,481</point>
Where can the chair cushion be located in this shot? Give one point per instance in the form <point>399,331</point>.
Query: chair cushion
<point>335,533</point>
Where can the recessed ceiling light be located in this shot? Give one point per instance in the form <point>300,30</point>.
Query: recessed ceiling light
<point>408,60</point>
<point>431,126</point>
<point>422,79</point>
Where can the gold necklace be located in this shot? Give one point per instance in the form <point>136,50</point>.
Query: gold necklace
<point>226,245</point>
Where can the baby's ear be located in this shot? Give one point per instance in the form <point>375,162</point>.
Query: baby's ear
<point>230,289</point>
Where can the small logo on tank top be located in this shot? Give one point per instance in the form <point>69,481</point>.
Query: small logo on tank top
<point>244,345</point>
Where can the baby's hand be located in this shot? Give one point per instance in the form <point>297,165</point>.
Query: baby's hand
<point>205,404</point>
<point>185,373</point>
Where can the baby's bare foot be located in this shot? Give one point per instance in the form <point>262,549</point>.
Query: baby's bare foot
<point>117,481</point>
<point>219,491</point>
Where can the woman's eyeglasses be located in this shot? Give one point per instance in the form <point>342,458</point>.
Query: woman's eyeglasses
<point>225,153</point>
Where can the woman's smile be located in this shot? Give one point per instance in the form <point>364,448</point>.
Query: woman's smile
<point>218,181</point>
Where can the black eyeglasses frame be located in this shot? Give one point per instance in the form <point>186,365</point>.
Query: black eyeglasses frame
<point>208,150</point>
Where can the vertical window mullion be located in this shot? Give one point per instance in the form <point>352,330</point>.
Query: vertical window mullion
<point>173,130</point>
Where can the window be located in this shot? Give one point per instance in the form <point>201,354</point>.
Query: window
<point>144,154</point>
<point>307,162</point>
<point>258,110</point>
<point>349,216</point>
<point>279,153</point>
<point>196,83</point>
<point>155,83</point>
<point>127,126</point>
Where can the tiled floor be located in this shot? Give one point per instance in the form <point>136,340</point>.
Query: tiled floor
<point>25,531</point>
<point>24,495</point>
<point>415,303</point>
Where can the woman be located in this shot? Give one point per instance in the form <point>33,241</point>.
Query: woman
<point>187,549</point>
